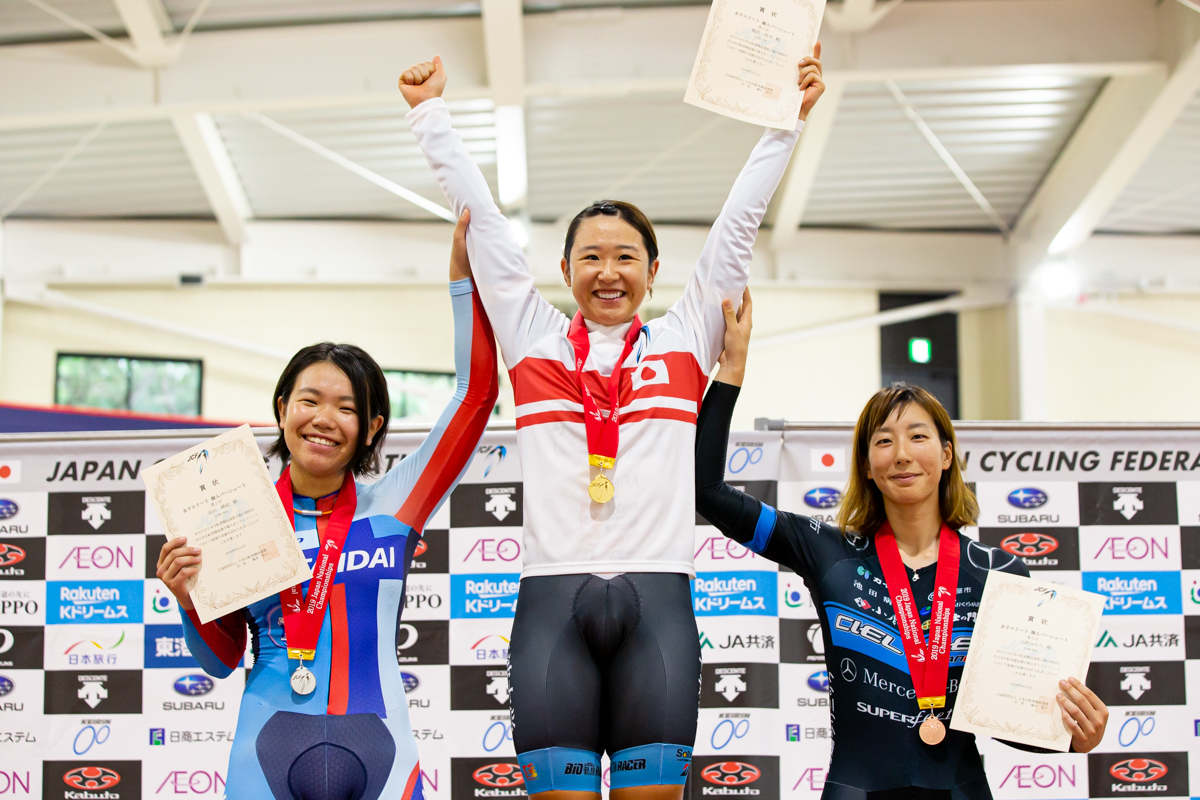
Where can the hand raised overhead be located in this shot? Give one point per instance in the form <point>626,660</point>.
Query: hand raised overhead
<point>423,81</point>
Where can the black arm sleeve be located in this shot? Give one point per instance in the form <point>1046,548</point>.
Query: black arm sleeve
<point>733,512</point>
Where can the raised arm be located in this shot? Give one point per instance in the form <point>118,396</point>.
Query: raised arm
<point>724,266</point>
<point>501,272</point>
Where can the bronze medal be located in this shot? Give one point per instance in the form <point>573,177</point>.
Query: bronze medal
<point>601,489</point>
<point>932,731</point>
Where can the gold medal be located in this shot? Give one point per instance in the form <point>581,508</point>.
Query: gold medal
<point>601,489</point>
<point>932,731</point>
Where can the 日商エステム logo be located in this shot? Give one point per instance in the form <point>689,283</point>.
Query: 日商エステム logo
<point>1027,498</point>
<point>1029,545</point>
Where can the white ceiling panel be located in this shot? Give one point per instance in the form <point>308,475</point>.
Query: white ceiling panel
<point>674,161</point>
<point>21,21</point>
<point>879,171</point>
<point>128,170</point>
<point>1164,195</point>
<point>284,180</point>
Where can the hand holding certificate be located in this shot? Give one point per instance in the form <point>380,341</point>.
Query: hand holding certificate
<point>1028,636</point>
<point>746,67</point>
<point>220,497</point>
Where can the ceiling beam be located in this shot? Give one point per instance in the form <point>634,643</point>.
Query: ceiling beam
<point>802,172</point>
<point>1125,124</point>
<point>143,22</point>
<point>504,44</point>
<point>354,64</point>
<point>218,177</point>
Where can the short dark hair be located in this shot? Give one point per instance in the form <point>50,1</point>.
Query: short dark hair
<point>370,398</point>
<point>615,208</point>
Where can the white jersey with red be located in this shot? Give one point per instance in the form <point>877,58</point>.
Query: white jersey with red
<point>649,524</point>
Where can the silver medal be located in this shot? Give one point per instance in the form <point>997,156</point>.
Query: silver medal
<point>303,681</point>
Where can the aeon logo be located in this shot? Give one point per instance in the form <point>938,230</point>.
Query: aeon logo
<point>1027,498</point>
<point>1138,770</point>
<point>1029,545</point>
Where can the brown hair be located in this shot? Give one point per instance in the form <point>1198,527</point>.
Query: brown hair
<point>862,509</point>
<point>615,208</point>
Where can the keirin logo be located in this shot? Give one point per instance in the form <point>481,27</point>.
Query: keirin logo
<point>92,778</point>
<point>731,773</point>
<point>499,776</point>
<point>1029,545</point>
<point>1138,770</point>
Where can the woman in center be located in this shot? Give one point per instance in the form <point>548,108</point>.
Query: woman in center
<point>605,655</point>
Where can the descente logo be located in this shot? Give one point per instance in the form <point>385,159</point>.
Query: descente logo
<point>490,588</point>
<point>1127,585</point>
<point>726,585</point>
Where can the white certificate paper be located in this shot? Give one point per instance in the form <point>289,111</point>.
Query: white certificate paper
<point>219,495</point>
<point>1028,636</point>
<point>746,67</point>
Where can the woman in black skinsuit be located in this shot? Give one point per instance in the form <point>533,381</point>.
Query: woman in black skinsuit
<point>898,542</point>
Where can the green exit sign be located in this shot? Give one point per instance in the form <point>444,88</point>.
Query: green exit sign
<point>919,351</point>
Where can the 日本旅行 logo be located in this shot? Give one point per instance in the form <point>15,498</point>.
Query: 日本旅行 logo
<point>10,554</point>
<point>822,497</point>
<point>1138,770</point>
<point>731,773</point>
<point>91,778</point>
<point>8,509</point>
<point>1027,498</point>
<point>194,685</point>
<point>499,776</point>
<point>1029,545</point>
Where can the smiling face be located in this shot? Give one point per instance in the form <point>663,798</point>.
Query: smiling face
<point>608,270</point>
<point>906,458</point>
<point>320,426</point>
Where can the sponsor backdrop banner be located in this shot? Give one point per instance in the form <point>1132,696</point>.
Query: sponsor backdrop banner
<point>100,698</point>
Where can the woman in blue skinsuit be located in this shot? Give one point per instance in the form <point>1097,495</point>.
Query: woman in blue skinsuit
<point>348,737</point>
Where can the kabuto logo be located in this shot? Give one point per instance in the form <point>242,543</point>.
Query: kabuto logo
<point>423,642</point>
<point>1128,504</point>
<point>113,691</point>
<point>485,778</point>
<point>1039,548</point>
<point>1027,498</point>
<point>23,560</point>
<point>746,685</point>
<point>1122,775</point>
<point>433,553</point>
<point>1145,683</point>
<point>92,780</point>
<point>801,642</point>
<point>822,497</point>
<point>22,647</point>
<point>735,776</point>
<point>486,505</point>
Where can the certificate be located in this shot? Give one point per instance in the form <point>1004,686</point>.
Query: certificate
<point>746,67</point>
<point>218,494</point>
<point>1028,636</point>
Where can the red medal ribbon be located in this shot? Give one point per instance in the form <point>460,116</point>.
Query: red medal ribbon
<point>602,436</point>
<point>929,664</point>
<point>302,616</point>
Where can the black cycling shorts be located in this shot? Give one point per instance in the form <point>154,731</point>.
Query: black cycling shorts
<point>601,666</point>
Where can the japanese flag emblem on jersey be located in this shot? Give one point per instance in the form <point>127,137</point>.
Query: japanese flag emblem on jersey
<point>10,472</point>
<point>649,373</point>
<point>830,460</point>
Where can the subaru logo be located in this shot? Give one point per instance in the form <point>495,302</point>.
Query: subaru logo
<point>8,509</point>
<point>1027,498</point>
<point>411,682</point>
<point>6,685</point>
<point>819,681</point>
<point>822,497</point>
<point>192,685</point>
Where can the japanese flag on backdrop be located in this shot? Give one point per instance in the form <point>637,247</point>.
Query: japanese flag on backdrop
<point>829,460</point>
<point>10,472</point>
